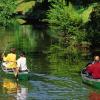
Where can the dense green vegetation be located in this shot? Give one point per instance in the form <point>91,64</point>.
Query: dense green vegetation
<point>6,12</point>
<point>93,26</point>
<point>69,24</point>
<point>76,26</point>
<point>73,25</point>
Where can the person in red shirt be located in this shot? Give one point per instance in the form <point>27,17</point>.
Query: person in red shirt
<point>96,59</point>
<point>94,69</point>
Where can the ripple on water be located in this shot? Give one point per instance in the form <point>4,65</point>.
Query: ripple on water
<point>57,88</point>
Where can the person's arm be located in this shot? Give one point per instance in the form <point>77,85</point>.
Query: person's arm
<point>90,68</point>
<point>18,63</point>
<point>6,58</point>
<point>88,63</point>
<point>18,66</point>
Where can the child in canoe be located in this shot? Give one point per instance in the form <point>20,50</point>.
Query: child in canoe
<point>21,62</point>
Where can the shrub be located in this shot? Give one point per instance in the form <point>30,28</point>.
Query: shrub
<point>7,7</point>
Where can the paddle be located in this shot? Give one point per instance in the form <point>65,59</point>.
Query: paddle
<point>4,51</point>
<point>15,73</point>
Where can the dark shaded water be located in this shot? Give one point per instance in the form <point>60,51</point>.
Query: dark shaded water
<point>47,81</point>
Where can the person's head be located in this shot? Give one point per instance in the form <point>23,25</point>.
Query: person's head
<point>13,50</point>
<point>22,54</point>
<point>97,58</point>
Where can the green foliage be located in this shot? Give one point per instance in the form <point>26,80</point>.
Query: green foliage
<point>95,18</point>
<point>69,25</point>
<point>68,20</point>
<point>63,16</point>
<point>93,26</point>
<point>23,39</point>
<point>7,7</point>
<point>85,13</point>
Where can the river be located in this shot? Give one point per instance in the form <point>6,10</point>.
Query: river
<point>47,81</point>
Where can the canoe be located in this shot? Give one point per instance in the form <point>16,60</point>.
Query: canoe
<point>90,81</point>
<point>22,75</point>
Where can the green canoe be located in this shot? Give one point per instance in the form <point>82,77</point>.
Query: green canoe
<point>23,75</point>
<point>90,81</point>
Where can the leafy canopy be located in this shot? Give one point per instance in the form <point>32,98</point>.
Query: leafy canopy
<point>7,8</point>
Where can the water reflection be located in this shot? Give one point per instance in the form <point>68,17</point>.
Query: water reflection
<point>6,38</point>
<point>22,93</point>
<point>14,89</point>
<point>48,81</point>
<point>49,87</point>
<point>9,86</point>
<point>94,96</point>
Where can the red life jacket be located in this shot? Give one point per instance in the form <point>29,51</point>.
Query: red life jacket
<point>94,69</point>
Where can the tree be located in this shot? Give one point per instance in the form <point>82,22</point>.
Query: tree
<point>79,2</point>
<point>93,26</point>
<point>7,8</point>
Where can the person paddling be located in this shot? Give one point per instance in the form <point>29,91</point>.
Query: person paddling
<point>10,59</point>
<point>94,68</point>
<point>96,59</point>
<point>21,63</point>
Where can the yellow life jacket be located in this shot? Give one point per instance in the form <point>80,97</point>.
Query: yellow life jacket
<point>11,60</point>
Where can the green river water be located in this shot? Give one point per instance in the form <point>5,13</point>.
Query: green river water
<point>47,81</point>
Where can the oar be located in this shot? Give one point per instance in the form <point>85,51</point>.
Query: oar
<point>15,74</point>
<point>5,49</point>
<point>4,53</point>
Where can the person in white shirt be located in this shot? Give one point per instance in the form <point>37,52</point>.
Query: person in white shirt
<point>21,62</point>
